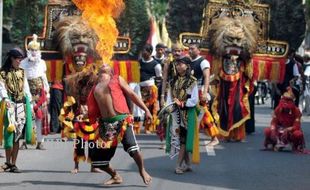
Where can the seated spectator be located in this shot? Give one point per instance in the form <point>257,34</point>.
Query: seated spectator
<point>285,128</point>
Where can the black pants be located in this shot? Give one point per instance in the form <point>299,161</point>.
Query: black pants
<point>250,124</point>
<point>56,101</point>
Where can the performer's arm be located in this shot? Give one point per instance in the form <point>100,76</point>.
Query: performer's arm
<point>27,89</point>
<point>296,125</point>
<point>158,71</point>
<point>3,91</point>
<point>194,98</point>
<point>133,96</point>
<point>164,83</point>
<point>45,81</point>
<point>205,67</point>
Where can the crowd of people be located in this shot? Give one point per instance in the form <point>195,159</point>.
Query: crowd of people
<point>175,82</point>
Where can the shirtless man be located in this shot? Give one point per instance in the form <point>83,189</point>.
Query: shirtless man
<point>107,104</point>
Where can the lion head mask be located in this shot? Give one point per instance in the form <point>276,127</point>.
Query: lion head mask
<point>233,39</point>
<point>76,40</point>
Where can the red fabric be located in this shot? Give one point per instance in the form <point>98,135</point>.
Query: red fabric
<point>57,85</point>
<point>267,69</point>
<point>45,125</point>
<point>53,70</point>
<point>287,119</point>
<point>118,97</point>
<point>116,67</point>
<point>93,109</point>
<point>129,73</point>
<point>41,100</point>
<point>285,115</point>
<point>39,114</point>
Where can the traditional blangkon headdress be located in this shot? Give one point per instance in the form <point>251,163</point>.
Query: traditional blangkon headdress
<point>34,44</point>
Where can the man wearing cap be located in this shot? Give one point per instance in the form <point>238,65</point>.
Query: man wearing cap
<point>285,125</point>
<point>150,71</point>
<point>35,70</point>
<point>15,117</point>
<point>201,71</point>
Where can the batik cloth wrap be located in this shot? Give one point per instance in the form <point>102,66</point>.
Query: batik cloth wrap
<point>111,130</point>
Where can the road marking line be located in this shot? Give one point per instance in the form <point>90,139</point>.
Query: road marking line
<point>209,149</point>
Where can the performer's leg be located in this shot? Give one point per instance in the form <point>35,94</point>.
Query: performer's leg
<point>115,177</point>
<point>187,160</point>
<point>101,159</point>
<point>269,138</point>
<point>55,106</point>
<point>131,146</point>
<point>181,158</point>
<point>298,141</point>
<point>79,153</point>
<point>38,123</point>
<point>13,168</point>
<point>182,152</point>
<point>8,155</point>
<point>147,179</point>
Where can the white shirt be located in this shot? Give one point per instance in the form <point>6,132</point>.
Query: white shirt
<point>190,102</point>
<point>35,70</point>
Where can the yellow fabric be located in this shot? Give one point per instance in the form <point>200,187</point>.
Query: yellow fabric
<point>135,71</point>
<point>196,152</point>
<point>123,69</point>
<point>2,111</point>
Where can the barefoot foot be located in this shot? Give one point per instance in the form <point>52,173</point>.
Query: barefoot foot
<point>117,179</point>
<point>75,171</point>
<point>147,179</point>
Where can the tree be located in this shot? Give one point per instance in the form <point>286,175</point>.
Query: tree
<point>134,22</point>
<point>288,21</point>
<point>184,16</point>
<point>23,18</point>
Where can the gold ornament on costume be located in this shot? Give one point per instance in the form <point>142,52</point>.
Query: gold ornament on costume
<point>34,44</point>
<point>11,128</point>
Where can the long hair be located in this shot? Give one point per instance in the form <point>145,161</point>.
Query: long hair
<point>80,84</point>
<point>15,53</point>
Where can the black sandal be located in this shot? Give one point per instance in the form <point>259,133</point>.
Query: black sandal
<point>5,167</point>
<point>14,169</point>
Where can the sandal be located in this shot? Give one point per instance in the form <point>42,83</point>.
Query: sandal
<point>179,170</point>
<point>187,168</point>
<point>6,166</point>
<point>14,169</point>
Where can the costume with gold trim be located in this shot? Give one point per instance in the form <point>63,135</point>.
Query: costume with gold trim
<point>285,127</point>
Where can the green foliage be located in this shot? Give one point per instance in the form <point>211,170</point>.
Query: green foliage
<point>24,17</point>
<point>158,9</point>
<point>287,21</point>
<point>134,22</point>
<point>184,16</point>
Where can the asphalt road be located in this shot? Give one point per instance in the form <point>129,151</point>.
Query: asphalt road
<point>227,166</point>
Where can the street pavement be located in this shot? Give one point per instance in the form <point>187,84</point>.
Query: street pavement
<point>226,166</point>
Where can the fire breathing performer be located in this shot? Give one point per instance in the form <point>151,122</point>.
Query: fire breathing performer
<point>107,105</point>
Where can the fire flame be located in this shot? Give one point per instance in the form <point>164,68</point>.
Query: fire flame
<point>100,15</point>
